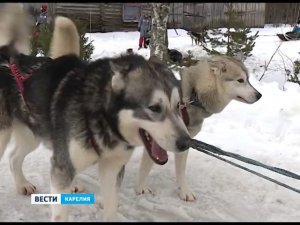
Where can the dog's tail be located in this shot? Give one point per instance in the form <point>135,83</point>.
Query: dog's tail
<point>15,26</point>
<point>65,39</point>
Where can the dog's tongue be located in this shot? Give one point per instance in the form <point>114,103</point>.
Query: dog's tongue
<point>158,153</point>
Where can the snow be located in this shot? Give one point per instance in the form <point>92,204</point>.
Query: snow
<point>267,131</point>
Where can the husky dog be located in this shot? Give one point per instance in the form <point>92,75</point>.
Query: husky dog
<point>13,51</point>
<point>87,113</point>
<point>195,37</point>
<point>198,37</point>
<point>174,55</point>
<point>207,88</point>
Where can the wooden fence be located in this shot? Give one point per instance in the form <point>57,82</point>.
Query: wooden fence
<point>108,16</point>
<point>212,15</point>
<point>287,13</point>
<point>88,12</point>
<point>102,17</point>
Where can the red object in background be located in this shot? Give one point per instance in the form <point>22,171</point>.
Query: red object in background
<point>44,8</point>
<point>141,41</point>
<point>35,34</point>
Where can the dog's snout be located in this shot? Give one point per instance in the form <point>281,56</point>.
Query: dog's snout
<point>183,143</point>
<point>258,95</point>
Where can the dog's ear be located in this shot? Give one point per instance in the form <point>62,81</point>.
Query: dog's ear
<point>155,59</point>
<point>157,63</point>
<point>223,66</point>
<point>239,57</point>
<point>119,76</point>
<point>217,67</point>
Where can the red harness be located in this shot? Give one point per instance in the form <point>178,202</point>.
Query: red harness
<point>184,114</point>
<point>19,78</point>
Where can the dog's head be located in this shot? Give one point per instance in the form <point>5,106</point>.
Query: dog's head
<point>233,80</point>
<point>147,95</point>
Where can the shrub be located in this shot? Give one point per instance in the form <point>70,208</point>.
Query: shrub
<point>236,38</point>
<point>41,39</point>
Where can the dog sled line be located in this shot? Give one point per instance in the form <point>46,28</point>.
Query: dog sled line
<point>217,152</point>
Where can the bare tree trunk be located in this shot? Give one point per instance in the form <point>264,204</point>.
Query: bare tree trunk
<point>159,35</point>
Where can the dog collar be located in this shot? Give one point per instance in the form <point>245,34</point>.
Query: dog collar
<point>184,115</point>
<point>194,101</point>
<point>92,141</point>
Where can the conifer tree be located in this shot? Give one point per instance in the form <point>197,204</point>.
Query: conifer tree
<point>41,39</point>
<point>235,39</point>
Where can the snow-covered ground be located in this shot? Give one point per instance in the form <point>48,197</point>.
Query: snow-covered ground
<point>267,131</point>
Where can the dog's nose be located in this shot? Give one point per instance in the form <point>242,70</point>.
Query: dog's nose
<point>183,143</point>
<point>258,95</point>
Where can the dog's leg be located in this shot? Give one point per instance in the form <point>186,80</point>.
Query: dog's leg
<point>180,165</point>
<point>120,176</point>
<point>25,142</point>
<point>4,139</point>
<point>62,175</point>
<point>145,167</point>
<point>111,170</point>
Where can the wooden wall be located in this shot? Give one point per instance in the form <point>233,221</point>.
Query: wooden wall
<point>287,13</point>
<point>112,17</point>
<point>193,15</point>
<point>108,16</point>
<point>105,17</point>
<point>89,12</point>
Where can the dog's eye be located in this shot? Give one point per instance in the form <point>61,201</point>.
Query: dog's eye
<point>155,108</point>
<point>241,80</point>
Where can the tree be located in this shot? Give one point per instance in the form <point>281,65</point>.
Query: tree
<point>42,35</point>
<point>159,35</point>
<point>236,38</point>
<point>294,77</point>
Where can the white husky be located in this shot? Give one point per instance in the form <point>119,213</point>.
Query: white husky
<point>207,88</point>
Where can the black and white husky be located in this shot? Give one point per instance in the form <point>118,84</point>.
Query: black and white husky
<point>87,113</point>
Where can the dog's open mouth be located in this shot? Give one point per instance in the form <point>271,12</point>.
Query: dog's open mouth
<point>157,153</point>
<point>239,98</point>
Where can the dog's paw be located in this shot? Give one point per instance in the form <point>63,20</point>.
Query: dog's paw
<point>59,218</point>
<point>77,189</point>
<point>187,195</point>
<point>144,190</point>
<point>99,201</point>
<point>59,213</point>
<point>26,188</point>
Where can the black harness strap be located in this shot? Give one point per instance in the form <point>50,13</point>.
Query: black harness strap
<point>194,101</point>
